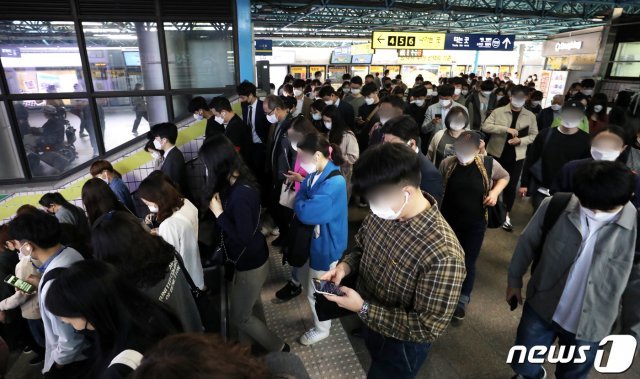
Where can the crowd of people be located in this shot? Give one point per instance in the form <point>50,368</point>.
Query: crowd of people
<point>119,284</point>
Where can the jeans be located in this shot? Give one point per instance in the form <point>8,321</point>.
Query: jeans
<point>470,237</point>
<point>514,168</point>
<point>533,331</point>
<point>306,275</point>
<point>295,276</point>
<point>245,291</point>
<point>392,358</point>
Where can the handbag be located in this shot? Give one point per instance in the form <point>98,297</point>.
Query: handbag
<point>288,194</point>
<point>496,215</point>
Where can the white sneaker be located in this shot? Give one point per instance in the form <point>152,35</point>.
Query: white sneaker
<point>312,336</point>
<point>275,231</point>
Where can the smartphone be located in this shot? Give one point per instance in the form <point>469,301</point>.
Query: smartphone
<point>20,284</point>
<point>327,287</point>
<point>438,115</point>
<point>513,303</point>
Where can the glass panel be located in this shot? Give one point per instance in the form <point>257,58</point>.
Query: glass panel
<point>628,51</point>
<point>123,55</point>
<point>626,69</point>
<point>299,72</point>
<point>374,69</point>
<point>40,56</point>
<point>360,71</point>
<point>314,69</point>
<point>10,167</point>
<point>180,103</point>
<point>335,74</point>
<point>49,130</point>
<point>200,54</point>
<point>124,118</point>
<point>393,71</point>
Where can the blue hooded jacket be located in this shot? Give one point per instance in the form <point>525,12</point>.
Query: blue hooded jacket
<point>324,204</point>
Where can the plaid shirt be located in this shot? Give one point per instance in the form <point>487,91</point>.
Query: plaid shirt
<point>410,272</point>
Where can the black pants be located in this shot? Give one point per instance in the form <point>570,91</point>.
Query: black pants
<point>139,116</point>
<point>74,370</point>
<point>514,168</point>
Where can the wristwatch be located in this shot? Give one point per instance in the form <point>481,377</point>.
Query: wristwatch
<point>364,311</point>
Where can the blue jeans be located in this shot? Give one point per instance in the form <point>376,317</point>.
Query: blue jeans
<point>392,358</point>
<point>534,331</point>
<point>470,237</point>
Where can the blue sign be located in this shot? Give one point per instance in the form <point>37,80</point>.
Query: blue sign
<point>264,47</point>
<point>492,42</point>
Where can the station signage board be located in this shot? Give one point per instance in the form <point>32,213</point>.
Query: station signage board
<point>264,47</point>
<point>491,42</point>
<point>441,41</point>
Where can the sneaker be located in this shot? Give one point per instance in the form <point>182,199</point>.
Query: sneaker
<point>83,134</point>
<point>278,242</point>
<point>459,313</point>
<point>507,225</point>
<point>38,359</point>
<point>27,349</point>
<point>275,231</point>
<point>289,291</point>
<point>312,336</point>
<point>135,133</point>
<point>363,205</point>
<point>286,348</point>
<point>544,375</point>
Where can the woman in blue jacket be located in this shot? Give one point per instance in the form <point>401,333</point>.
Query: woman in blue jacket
<point>321,201</point>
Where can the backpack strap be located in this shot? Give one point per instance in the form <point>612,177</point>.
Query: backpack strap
<point>50,275</point>
<point>129,358</point>
<point>557,204</point>
<point>488,165</point>
<point>332,174</point>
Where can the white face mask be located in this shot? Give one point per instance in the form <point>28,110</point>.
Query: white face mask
<point>26,252</point>
<point>316,116</point>
<point>355,91</point>
<point>445,102</point>
<point>383,120</point>
<point>600,216</point>
<point>465,92</point>
<point>327,125</point>
<point>431,92</point>
<point>419,102</point>
<point>598,108</point>
<point>570,123</point>
<point>198,117</point>
<point>369,100</point>
<point>294,145</point>
<point>457,91</point>
<point>535,103</point>
<point>465,158</point>
<point>329,102</point>
<point>556,107</point>
<point>310,168</point>
<point>486,93</point>
<point>604,154</point>
<point>105,179</point>
<point>153,208</point>
<point>587,92</point>
<point>385,212</point>
<point>272,118</point>
<point>499,97</point>
<point>219,119</point>
<point>346,90</point>
<point>157,144</point>
<point>297,92</point>
<point>457,125</point>
<point>155,155</point>
<point>518,103</point>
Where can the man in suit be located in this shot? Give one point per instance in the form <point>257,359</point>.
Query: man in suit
<point>234,128</point>
<point>330,97</point>
<point>253,115</point>
<point>303,103</point>
<point>198,106</point>
<point>164,138</point>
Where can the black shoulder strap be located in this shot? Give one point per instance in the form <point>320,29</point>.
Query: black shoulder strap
<point>187,276</point>
<point>557,204</point>
<point>50,275</point>
<point>332,174</point>
<point>547,138</point>
<point>488,165</point>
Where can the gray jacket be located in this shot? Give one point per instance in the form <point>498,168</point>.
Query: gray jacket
<point>613,279</point>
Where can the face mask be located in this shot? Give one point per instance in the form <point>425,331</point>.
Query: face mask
<point>105,179</point>
<point>419,102</point>
<point>219,119</point>
<point>518,103</point>
<point>573,93</point>
<point>556,107</point>
<point>310,168</point>
<point>327,125</point>
<point>456,125</point>
<point>25,250</point>
<point>570,123</point>
<point>383,120</point>
<point>598,108</point>
<point>445,102</point>
<point>157,144</point>
<point>329,102</point>
<point>457,91</point>
<point>294,145</point>
<point>272,118</point>
<point>465,92</point>
<point>385,212</point>
<point>355,91</point>
<point>297,92</point>
<point>430,92</point>
<point>316,116</point>
<point>153,208</point>
<point>369,100</point>
<point>604,155</point>
<point>198,117</point>
<point>499,97</point>
<point>486,93</point>
<point>587,92</point>
<point>465,158</point>
<point>600,216</point>
<point>155,155</point>
<point>346,89</point>
<point>535,103</point>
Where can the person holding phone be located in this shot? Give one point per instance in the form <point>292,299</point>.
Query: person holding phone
<point>436,113</point>
<point>321,201</point>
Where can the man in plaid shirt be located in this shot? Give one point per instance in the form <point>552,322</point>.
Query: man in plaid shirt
<point>410,265</point>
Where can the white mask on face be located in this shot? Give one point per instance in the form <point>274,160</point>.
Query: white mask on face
<point>346,89</point>
<point>327,125</point>
<point>535,103</point>
<point>294,145</point>
<point>219,119</point>
<point>604,154</point>
<point>385,212</point>
<point>25,250</point>
<point>383,120</point>
<point>499,97</point>
<point>465,92</point>
<point>105,179</point>
<point>598,108</point>
<point>316,116</point>
<point>419,102</point>
<point>329,102</point>
<point>587,92</point>
<point>430,92</point>
<point>600,216</point>
<point>198,117</point>
<point>297,92</point>
<point>369,100</point>
<point>456,125</point>
<point>570,123</point>
<point>457,91</point>
<point>157,144</point>
<point>445,102</point>
<point>153,208</point>
<point>556,107</point>
<point>355,91</point>
<point>310,168</point>
<point>518,103</point>
<point>486,93</point>
<point>465,158</point>
<point>272,118</point>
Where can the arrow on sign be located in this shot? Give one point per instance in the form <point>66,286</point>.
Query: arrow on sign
<point>506,43</point>
<point>380,39</point>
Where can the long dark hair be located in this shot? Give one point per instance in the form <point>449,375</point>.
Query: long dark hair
<point>120,239</point>
<point>223,161</point>
<point>160,189</point>
<point>338,126</point>
<point>98,199</point>
<point>316,142</point>
<point>118,311</point>
<point>51,198</point>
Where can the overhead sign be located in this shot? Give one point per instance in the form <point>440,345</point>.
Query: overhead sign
<point>493,42</point>
<point>361,49</point>
<point>408,40</point>
<point>571,45</point>
<point>264,47</point>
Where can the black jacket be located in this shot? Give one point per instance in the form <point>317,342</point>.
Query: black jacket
<point>213,128</point>
<point>278,152</point>
<point>262,125</point>
<point>173,166</point>
<point>240,135</point>
<point>545,118</point>
<point>347,113</point>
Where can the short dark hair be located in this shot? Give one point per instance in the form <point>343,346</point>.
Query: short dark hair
<point>246,88</point>
<point>537,95</point>
<point>299,83</point>
<point>603,185</point>
<point>220,103</point>
<point>326,91</point>
<point>356,80</point>
<point>395,101</point>
<point>403,127</point>
<point>613,129</point>
<point>317,142</point>
<point>588,83</point>
<point>519,89</point>
<point>274,102</point>
<point>166,130</point>
<point>196,104</point>
<point>369,76</point>
<point>157,188</point>
<point>418,91</point>
<point>346,77</point>
<point>446,90</point>
<point>368,89</point>
<point>40,228</point>
<point>100,165</point>
<point>386,164</point>
<point>487,85</point>
<point>98,199</point>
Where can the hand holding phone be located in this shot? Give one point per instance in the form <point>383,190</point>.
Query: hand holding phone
<point>327,287</point>
<point>20,284</point>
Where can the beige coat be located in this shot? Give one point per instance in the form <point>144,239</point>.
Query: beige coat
<point>497,124</point>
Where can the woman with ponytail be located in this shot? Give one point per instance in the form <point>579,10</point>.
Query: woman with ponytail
<point>322,202</point>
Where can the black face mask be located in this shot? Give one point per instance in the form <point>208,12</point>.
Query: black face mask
<point>387,85</point>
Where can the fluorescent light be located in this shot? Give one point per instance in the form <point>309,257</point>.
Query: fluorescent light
<point>117,36</point>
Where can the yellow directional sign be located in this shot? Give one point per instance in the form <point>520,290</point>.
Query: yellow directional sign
<point>408,40</point>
